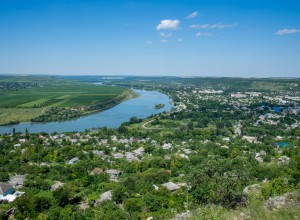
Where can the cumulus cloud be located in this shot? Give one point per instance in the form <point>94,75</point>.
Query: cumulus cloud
<point>219,25</point>
<point>202,34</point>
<point>165,34</point>
<point>168,25</point>
<point>287,31</point>
<point>193,15</point>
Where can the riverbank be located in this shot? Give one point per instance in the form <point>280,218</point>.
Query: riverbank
<point>139,105</point>
<point>9,116</point>
<point>69,113</point>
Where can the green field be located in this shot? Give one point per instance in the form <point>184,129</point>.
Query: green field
<point>27,103</point>
<point>75,94</point>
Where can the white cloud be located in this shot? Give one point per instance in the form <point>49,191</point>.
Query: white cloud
<point>165,34</point>
<point>202,34</point>
<point>193,15</point>
<point>180,40</point>
<point>164,41</point>
<point>219,25</point>
<point>168,25</point>
<point>287,31</point>
<point>148,42</point>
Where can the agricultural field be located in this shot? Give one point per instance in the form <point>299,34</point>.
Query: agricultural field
<point>24,104</point>
<point>68,95</point>
<point>8,115</point>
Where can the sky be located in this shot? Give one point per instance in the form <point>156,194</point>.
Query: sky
<point>239,38</point>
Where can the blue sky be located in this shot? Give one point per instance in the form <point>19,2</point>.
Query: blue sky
<point>149,37</point>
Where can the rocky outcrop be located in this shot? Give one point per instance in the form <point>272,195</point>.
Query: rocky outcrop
<point>255,188</point>
<point>183,216</point>
<point>278,202</point>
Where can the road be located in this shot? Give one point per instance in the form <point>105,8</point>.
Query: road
<point>144,125</point>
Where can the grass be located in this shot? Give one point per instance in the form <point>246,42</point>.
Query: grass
<point>211,212</point>
<point>18,114</point>
<point>43,193</point>
<point>165,125</point>
<point>34,103</point>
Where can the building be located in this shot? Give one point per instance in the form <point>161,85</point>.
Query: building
<point>73,160</point>
<point>6,189</point>
<point>17,181</point>
<point>171,186</point>
<point>107,196</point>
<point>114,174</point>
<point>56,185</point>
<point>96,171</point>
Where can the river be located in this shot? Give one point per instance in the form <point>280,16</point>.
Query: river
<point>141,107</point>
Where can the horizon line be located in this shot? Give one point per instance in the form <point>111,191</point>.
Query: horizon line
<point>155,75</point>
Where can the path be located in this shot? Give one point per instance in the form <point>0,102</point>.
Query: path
<point>43,110</point>
<point>148,122</point>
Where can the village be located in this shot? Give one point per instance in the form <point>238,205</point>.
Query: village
<point>153,164</point>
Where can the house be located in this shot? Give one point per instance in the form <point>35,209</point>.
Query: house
<point>56,185</point>
<point>96,171</point>
<point>183,156</point>
<point>12,197</point>
<point>227,139</point>
<point>187,151</point>
<point>118,155</point>
<point>238,95</point>
<point>153,142</point>
<point>167,146</point>
<point>168,172</point>
<point>17,145</point>
<point>171,186</point>
<point>6,189</point>
<point>166,157</point>
<point>130,157</point>
<point>114,174</point>
<point>98,153</point>
<point>107,196</point>
<point>225,147</point>
<point>283,160</point>
<point>139,152</point>
<point>17,181</point>
<point>250,139</point>
<point>22,140</point>
<point>73,160</point>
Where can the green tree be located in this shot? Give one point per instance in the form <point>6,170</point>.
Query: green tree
<point>119,194</point>
<point>25,207</point>
<point>133,205</point>
<point>155,202</point>
<point>219,181</point>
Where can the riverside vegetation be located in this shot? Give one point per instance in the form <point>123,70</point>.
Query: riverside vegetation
<point>229,147</point>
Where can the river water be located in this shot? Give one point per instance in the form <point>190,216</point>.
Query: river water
<point>141,107</point>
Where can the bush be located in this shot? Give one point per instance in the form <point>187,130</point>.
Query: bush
<point>276,187</point>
